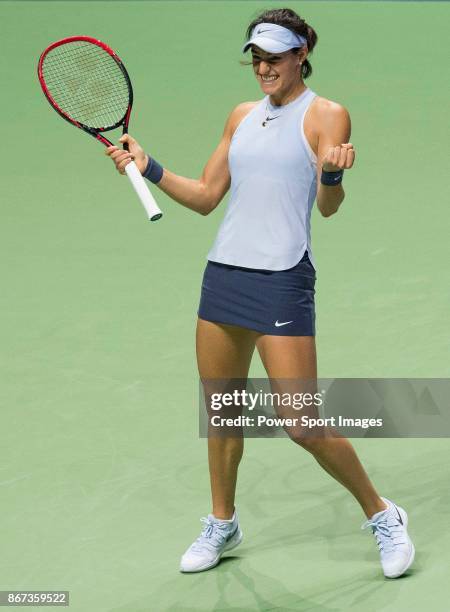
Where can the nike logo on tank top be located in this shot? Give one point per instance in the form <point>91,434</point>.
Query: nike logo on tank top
<point>273,188</point>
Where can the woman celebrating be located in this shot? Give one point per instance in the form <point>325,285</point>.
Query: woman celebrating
<point>278,155</point>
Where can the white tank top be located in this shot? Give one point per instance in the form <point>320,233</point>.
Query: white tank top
<point>273,187</point>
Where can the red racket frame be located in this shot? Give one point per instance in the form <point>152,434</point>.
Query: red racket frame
<point>95,132</point>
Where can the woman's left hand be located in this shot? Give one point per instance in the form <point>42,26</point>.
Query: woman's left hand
<point>340,157</point>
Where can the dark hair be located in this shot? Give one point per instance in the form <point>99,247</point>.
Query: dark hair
<point>288,19</point>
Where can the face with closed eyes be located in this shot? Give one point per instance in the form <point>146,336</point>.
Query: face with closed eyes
<point>277,73</point>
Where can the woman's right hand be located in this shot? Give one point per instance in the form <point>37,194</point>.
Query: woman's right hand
<point>122,158</point>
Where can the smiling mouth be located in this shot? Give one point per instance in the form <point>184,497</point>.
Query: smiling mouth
<point>268,79</point>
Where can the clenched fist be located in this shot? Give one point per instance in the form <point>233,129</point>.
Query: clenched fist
<point>340,157</point>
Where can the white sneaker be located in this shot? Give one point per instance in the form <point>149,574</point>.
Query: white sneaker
<point>217,537</point>
<point>396,549</point>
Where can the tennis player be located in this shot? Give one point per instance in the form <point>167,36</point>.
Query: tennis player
<point>278,155</point>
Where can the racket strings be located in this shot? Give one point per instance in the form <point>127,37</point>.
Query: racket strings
<point>87,84</point>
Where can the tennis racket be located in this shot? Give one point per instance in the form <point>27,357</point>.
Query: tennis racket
<point>87,84</point>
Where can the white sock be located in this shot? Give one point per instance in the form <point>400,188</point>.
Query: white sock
<point>225,520</point>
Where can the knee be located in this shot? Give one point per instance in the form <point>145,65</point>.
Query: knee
<point>308,442</point>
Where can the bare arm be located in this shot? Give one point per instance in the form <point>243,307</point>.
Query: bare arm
<point>201,195</point>
<point>334,153</point>
<point>204,194</point>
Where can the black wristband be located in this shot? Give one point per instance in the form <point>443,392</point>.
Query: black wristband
<point>331,178</point>
<point>153,171</point>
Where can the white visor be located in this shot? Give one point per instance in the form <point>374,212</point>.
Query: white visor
<point>274,38</point>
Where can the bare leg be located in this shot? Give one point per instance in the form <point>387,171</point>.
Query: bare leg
<point>224,351</point>
<point>295,357</point>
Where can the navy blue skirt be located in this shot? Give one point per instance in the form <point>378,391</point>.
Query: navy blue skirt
<point>278,303</point>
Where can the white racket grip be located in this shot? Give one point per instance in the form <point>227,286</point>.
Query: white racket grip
<point>143,192</point>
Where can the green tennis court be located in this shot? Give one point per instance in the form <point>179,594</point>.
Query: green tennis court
<point>103,475</point>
